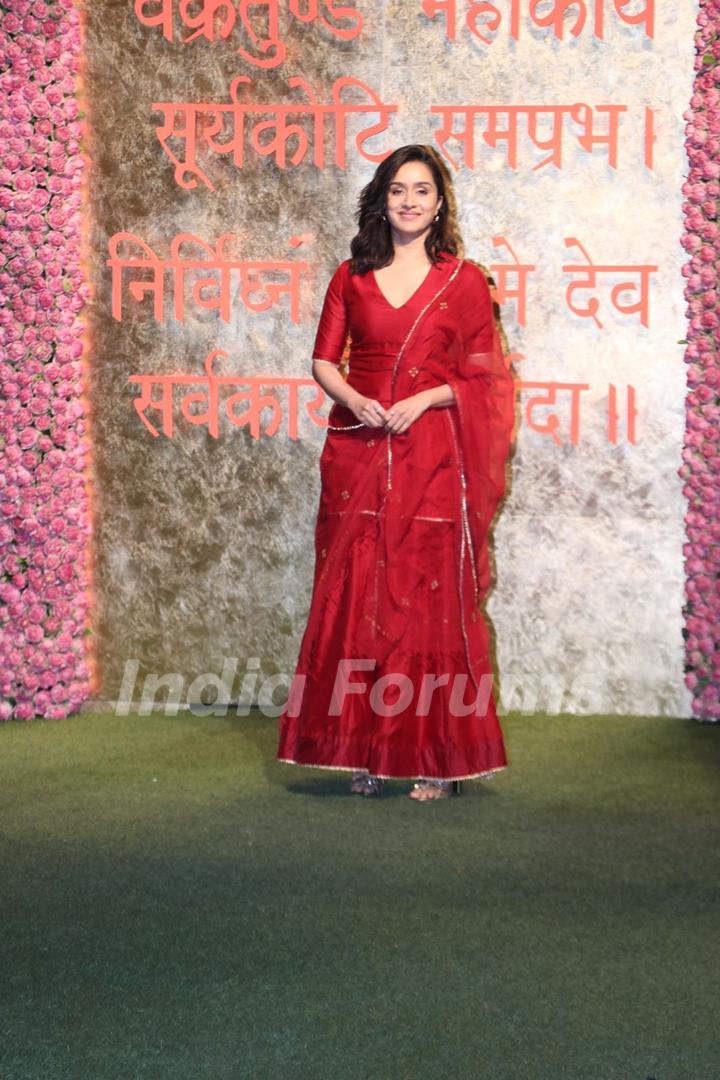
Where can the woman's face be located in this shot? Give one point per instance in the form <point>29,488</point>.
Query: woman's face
<point>412,200</point>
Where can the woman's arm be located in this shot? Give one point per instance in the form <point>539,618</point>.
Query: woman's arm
<point>436,396</point>
<point>367,410</point>
<point>328,375</point>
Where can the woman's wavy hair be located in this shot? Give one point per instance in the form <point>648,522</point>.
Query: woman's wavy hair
<point>372,246</point>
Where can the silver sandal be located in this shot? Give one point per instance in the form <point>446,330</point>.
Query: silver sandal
<point>363,783</point>
<point>442,789</point>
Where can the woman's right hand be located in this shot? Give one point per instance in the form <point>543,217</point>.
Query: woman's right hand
<point>367,410</point>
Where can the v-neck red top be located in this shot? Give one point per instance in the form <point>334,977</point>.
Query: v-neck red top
<point>356,306</point>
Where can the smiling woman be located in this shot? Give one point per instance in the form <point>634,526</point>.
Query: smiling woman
<point>413,203</point>
<point>411,473</point>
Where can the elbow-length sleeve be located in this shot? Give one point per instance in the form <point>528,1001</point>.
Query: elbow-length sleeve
<point>333,326</point>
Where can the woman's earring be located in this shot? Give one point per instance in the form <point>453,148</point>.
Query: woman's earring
<point>437,217</point>
<point>384,218</point>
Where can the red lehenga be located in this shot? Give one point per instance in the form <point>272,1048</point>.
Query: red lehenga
<point>401,540</point>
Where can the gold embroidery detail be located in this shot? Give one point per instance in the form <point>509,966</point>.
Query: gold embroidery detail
<point>371,442</point>
<point>413,371</point>
<point>434,584</point>
<point>377,627</point>
<point>465,537</point>
<point>323,553</point>
<point>442,306</point>
<point>345,494</point>
<point>412,517</point>
<point>342,513</point>
<point>389,460</point>
<point>405,602</point>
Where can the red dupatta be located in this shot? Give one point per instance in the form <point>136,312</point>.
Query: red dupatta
<point>484,414</point>
<point>456,341</point>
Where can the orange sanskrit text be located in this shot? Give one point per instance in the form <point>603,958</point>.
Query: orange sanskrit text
<point>615,416</point>
<point>204,273</point>
<point>544,414</point>
<point>254,394</point>
<point>257,24</point>
<point>544,127</point>
<point>271,404</point>
<point>516,289</point>
<point>484,21</point>
<point>549,423</point>
<point>191,134</point>
<point>588,273</point>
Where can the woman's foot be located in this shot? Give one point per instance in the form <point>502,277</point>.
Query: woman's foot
<point>428,790</point>
<point>363,783</point>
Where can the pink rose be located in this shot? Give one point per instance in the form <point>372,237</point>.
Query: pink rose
<point>57,218</point>
<point>36,613</point>
<point>41,198</point>
<point>40,106</point>
<point>23,711</point>
<point>27,437</point>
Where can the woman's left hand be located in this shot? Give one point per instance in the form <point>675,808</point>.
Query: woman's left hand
<point>402,414</point>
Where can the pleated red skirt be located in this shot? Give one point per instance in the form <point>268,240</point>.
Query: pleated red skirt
<point>394,673</point>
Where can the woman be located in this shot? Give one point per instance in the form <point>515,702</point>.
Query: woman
<point>394,676</point>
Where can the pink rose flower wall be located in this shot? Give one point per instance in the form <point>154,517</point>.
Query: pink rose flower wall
<point>45,521</point>
<point>701,454</point>
<point>45,525</point>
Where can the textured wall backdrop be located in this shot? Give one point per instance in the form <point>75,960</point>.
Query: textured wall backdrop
<point>204,545</point>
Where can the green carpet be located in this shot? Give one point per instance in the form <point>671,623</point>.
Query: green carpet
<point>176,904</point>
